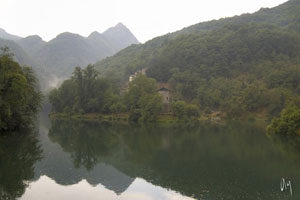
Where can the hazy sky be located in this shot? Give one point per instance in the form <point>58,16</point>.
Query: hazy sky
<point>146,19</point>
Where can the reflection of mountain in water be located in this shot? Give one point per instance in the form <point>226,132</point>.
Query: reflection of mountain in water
<point>207,161</point>
<point>59,166</point>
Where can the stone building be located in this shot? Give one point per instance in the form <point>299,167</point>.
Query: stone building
<point>133,76</point>
<point>164,90</point>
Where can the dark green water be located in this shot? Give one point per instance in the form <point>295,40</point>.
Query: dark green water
<point>87,160</point>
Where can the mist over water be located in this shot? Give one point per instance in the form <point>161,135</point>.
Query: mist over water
<point>53,82</point>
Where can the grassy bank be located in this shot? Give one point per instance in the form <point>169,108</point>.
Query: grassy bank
<point>162,118</point>
<point>91,116</point>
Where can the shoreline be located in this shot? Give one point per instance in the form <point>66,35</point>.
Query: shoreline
<point>162,118</point>
<point>121,117</point>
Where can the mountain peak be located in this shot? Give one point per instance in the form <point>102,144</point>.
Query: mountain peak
<point>120,35</point>
<point>66,35</point>
<point>5,35</point>
<point>120,25</point>
<point>117,28</point>
<point>34,37</point>
<point>94,34</point>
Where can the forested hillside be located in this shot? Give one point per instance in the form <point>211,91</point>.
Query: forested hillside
<point>238,65</point>
<point>285,15</point>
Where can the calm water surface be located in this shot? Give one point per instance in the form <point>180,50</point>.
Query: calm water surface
<point>87,160</point>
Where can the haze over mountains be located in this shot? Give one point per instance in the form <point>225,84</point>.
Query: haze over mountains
<point>57,58</point>
<point>5,35</point>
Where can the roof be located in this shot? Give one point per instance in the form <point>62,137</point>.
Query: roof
<point>163,86</point>
<point>163,89</point>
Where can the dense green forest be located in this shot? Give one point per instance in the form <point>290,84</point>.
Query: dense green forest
<point>85,92</point>
<point>242,66</point>
<point>19,97</point>
<point>236,69</point>
<point>125,62</point>
<point>239,65</point>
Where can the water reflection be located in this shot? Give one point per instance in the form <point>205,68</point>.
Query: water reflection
<point>87,144</point>
<point>289,146</point>
<point>232,161</point>
<point>89,160</point>
<point>138,190</point>
<point>18,153</point>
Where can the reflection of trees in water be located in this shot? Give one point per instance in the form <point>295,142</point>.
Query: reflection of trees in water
<point>83,141</point>
<point>18,153</point>
<point>289,146</point>
<point>212,161</point>
<point>235,161</point>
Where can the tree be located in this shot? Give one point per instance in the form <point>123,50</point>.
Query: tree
<point>54,99</point>
<point>142,99</point>
<point>185,111</point>
<point>85,92</point>
<point>151,106</point>
<point>178,109</point>
<point>237,68</point>
<point>287,124</point>
<point>192,111</point>
<point>19,96</point>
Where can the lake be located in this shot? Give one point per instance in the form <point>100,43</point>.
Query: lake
<point>74,160</point>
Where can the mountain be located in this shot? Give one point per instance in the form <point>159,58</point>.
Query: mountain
<point>120,36</point>
<point>20,55</point>
<point>100,44</point>
<point>243,63</point>
<point>64,52</point>
<point>286,16</point>
<point>24,58</point>
<point>31,44</point>
<point>5,35</point>
<point>58,57</point>
<point>68,50</point>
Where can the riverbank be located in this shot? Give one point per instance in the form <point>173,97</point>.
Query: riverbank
<point>162,118</point>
